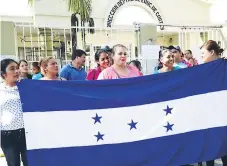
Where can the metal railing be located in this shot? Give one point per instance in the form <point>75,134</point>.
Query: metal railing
<point>34,43</point>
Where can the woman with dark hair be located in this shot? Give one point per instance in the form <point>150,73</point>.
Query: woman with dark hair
<point>23,68</point>
<point>189,57</point>
<point>13,141</point>
<point>159,66</point>
<point>211,51</point>
<point>137,64</point>
<point>192,61</point>
<point>36,71</point>
<point>166,62</point>
<point>103,61</point>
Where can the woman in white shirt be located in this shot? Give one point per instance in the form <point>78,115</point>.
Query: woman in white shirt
<point>13,141</point>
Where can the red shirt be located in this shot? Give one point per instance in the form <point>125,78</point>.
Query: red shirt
<point>188,64</point>
<point>93,74</point>
<point>141,74</point>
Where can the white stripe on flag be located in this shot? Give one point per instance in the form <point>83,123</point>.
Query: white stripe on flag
<point>76,128</point>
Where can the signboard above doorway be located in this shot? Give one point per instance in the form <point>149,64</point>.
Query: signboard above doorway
<point>120,3</point>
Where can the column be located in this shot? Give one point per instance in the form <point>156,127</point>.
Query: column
<point>8,40</point>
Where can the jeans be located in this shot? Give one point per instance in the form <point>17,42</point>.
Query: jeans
<point>224,160</point>
<point>13,144</point>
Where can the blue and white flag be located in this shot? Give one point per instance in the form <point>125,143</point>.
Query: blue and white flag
<point>169,119</point>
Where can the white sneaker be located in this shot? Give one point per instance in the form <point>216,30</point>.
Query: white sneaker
<point>1,153</point>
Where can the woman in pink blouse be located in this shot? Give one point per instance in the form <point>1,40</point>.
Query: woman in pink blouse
<point>103,61</point>
<point>119,69</point>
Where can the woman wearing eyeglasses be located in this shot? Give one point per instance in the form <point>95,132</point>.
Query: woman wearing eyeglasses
<point>103,61</point>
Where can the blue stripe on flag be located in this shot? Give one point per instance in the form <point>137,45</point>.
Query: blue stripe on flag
<point>85,95</point>
<point>173,150</point>
<point>184,148</point>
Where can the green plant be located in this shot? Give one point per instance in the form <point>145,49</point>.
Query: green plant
<point>81,7</point>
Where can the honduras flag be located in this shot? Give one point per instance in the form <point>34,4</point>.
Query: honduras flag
<point>169,119</point>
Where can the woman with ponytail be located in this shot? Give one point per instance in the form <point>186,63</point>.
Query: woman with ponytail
<point>166,61</point>
<point>137,64</point>
<point>23,68</point>
<point>211,51</point>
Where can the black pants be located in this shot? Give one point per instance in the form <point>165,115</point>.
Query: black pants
<point>211,163</point>
<point>224,160</point>
<point>208,163</point>
<point>13,144</point>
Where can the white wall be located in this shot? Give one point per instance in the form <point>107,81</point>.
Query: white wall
<point>19,19</point>
<point>15,11</point>
<point>52,21</point>
<point>51,7</point>
<point>52,13</point>
<point>184,12</point>
<point>218,15</point>
<point>218,12</point>
<point>15,8</point>
<point>55,12</point>
<point>187,12</point>
<point>190,12</point>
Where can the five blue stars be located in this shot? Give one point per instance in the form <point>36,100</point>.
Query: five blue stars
<point>169,127</point>
<point>168,110</point>
<point>99,136</point>
<point>132,125</point>
<point>97,118</point>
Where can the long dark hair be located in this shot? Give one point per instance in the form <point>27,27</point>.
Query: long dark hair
<point>22,61</point>
<point>160,55</point>
<point>98,53</point>
<point>160,65</point>
<point>137,64</point>
<point>4,64</point>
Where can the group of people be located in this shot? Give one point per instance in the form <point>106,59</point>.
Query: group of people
<point>174,58</point>
<point>111,64</point>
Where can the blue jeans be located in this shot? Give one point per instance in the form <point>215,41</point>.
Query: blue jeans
<point>13,144</point>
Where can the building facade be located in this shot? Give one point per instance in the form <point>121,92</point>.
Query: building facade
<point>44,29</point>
